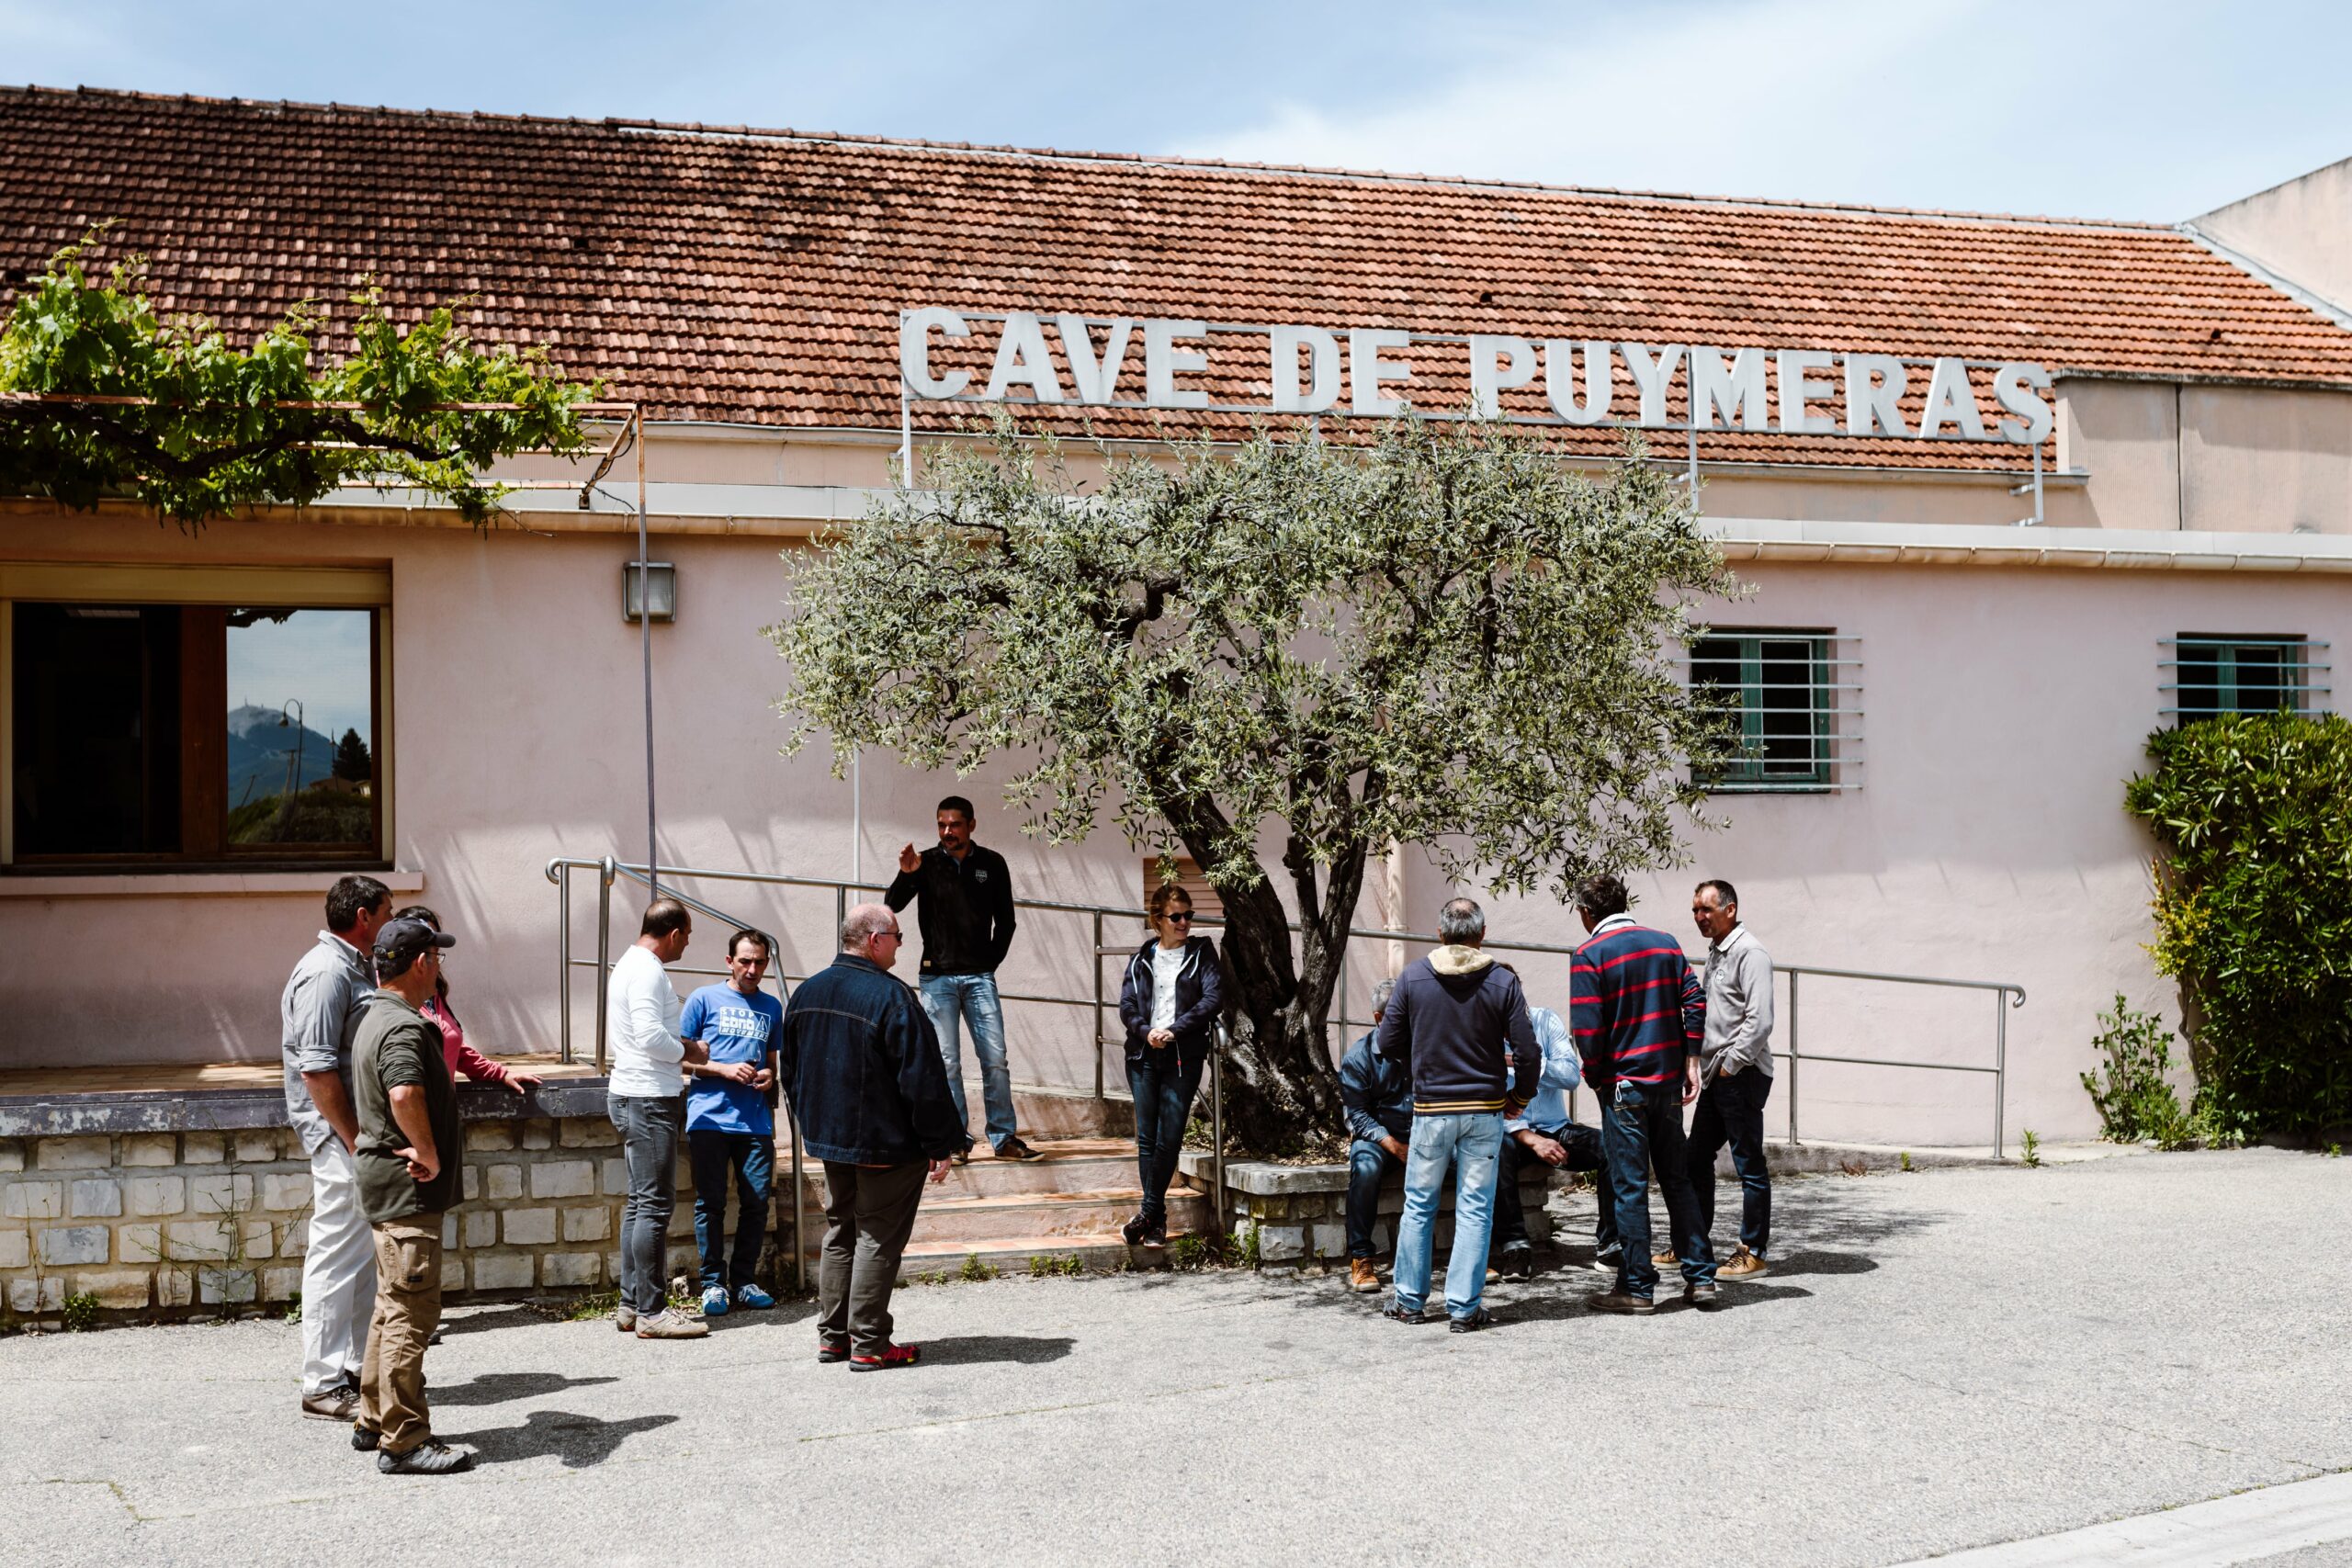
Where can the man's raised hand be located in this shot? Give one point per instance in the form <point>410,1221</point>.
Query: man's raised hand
<point>909,859</point>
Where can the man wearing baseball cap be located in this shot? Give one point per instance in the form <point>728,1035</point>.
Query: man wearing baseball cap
<point>409,1159</point>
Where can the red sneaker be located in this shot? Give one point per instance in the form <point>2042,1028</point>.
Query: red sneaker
<point>896,1356</point>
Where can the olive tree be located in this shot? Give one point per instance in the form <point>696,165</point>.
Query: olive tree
<point>1441,637</point>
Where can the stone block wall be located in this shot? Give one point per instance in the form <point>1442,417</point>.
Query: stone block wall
<point>172,1223</point>
<point>1298,1213</point>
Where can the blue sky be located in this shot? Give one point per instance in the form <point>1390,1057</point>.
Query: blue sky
<point>2158,109</point>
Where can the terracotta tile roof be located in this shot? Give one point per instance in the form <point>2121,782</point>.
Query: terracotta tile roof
<point>756,277</point>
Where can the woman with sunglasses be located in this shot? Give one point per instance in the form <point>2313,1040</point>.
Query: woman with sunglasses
<point>462,1057</point>
<point>1169,1001</point>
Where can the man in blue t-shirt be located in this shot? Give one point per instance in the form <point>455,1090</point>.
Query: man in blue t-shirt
<point>730,1130</point>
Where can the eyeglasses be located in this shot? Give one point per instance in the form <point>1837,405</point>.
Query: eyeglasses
<point>893,935</point>
<point>1178,916</point>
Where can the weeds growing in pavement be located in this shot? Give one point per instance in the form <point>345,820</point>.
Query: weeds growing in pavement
<point>2134,1097</point>
<point>294,1307</point>
<point>2031,1151</point>
<point>975,1270</point>
<point>79,1313</point>
<point>591,1306</point>
<point>1046,1265</point>
<point>1906,1161</point>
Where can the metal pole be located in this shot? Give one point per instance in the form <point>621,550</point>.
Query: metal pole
<point>1216,1125</point>
<point>645,653</point>
<point>906,425</point>
<point>857,815</point>
<point>563,962</point>
<point>799,1206</point>
<point>1792,1058</point>
<point>2000,1060</point>
<point>603,949</point>
<point>1098,1006</point>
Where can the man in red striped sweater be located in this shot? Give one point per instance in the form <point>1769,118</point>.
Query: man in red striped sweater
<point>1638,1013</point>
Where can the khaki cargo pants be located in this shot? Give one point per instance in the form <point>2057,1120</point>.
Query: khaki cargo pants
<point>408,1308</point>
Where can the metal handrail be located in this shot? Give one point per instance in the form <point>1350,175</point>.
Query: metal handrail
<point>2006,994</point>
<point>606,870</point>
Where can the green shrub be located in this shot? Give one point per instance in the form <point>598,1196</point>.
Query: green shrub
<point>2030,1149</point>
<point>2254,914</point>
<point>2136,1100</point>
<point>79,1313</point>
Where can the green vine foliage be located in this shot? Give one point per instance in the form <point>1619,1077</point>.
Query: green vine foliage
<point>2254,913</point>
<point>217,434</point>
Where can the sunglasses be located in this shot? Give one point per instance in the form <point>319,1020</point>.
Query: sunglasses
<point>1182,917</point>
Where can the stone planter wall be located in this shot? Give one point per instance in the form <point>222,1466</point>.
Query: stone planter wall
<point>187,1221</point>
<point>1298,1213</point>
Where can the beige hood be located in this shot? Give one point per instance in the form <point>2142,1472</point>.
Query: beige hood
<point>1456,960</point>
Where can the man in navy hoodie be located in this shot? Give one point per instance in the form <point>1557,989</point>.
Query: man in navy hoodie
<point>1461,1020</point>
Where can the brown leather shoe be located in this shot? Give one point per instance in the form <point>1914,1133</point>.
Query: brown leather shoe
<point>1620,1302</point>
<point>1706,1298</point>
<point>339,1402</point>
<point>1363,1277</point>
<point>1664,1259</point>
<point>1741,1265</point>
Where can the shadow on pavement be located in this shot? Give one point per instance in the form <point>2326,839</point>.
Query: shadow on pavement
<point>580,1441</point>
<point>483,1319</point>
<point>970,1349</point>
<point>497,1388</point>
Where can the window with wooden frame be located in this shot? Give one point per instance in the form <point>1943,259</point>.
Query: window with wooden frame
<point>1785,702</point>
<point>182,717</point>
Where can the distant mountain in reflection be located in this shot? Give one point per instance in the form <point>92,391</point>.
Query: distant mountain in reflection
<point>259,749</point>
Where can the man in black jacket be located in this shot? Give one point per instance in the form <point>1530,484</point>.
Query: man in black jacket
<point>1461,1020</point>
<point>1377,1093</point>
<point>861,1067</point>
<point>963,896</point>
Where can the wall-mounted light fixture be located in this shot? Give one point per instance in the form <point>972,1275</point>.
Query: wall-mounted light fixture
<point>661,578</point>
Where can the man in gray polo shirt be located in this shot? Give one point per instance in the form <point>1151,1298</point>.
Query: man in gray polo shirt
<point>317,1015</point>
<point>1735,1073</point>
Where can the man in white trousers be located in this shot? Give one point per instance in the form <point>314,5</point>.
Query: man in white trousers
<point>317,1016</point>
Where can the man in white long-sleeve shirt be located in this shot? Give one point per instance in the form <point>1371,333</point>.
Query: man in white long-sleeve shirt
<point>1735,1073</point>
<point>645,1094</point>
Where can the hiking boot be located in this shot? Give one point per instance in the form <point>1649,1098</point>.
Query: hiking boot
<point>1013,1148</point>
<point>1478,1320</point>
<point>625,1318</point>
<point>431,1457</point>
<point>336,1402</point>
<point>751,1298</point>
<point>1396,1313</point>
<point>1518,1261</point>
<point>364,1440</point>
<point>1706,1298</point>
<point>894,1356</point>
<point>671,1323</point>
<point>1741,1265</point>
<point>1625,1305</point>
<point>831,1350</point>
<point>715,1301</point>
<point>1363,1277</point>
<point>1132,1232</point>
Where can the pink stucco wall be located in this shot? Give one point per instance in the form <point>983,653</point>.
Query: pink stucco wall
<point>2002,711</point>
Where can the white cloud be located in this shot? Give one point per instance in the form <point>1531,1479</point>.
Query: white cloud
<point>2096,109</point>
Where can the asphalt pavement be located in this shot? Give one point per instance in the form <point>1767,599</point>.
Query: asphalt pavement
<point>1940,1360</point>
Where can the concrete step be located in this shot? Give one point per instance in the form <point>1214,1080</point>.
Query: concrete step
<point>955,1222</point>
<point>1071,1165</point>
<point>1010,1255</point>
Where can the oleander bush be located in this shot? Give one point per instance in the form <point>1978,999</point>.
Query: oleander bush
<point>2254,914</point>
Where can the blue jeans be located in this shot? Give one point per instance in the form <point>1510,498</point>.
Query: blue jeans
<point>650,1126</point>
<point>747,1161</point>
<point>1163,1093</point>
<point>1474,1143</point>
<point>1368,1166</point>
<point>1731,1111</point>
<point>1641,1123</point>
<point>972,998</point>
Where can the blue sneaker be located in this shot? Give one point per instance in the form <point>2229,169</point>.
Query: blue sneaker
<point>753,1298</point>
<point>714,1302</point>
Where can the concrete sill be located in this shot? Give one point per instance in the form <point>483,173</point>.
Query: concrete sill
<point>194,884</point>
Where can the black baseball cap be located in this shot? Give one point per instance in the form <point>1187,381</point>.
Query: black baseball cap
<point>402,940</point>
